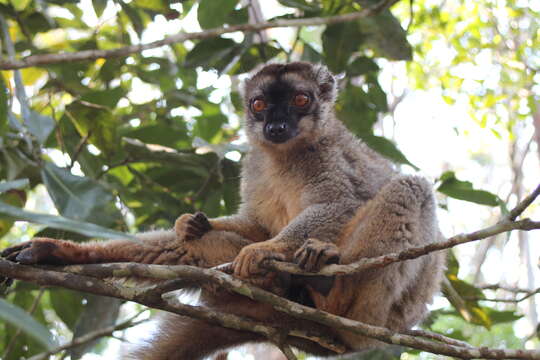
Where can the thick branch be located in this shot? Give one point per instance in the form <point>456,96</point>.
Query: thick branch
<point>151,297</point>
<point>47,59</point>
<point>294,309</point>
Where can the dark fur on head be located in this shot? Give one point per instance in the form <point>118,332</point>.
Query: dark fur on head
<point>277,85</point>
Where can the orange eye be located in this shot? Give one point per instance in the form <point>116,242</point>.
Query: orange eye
<point>301,100</point>
<point>258,105</point>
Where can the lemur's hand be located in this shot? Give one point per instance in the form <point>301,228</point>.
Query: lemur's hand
<point>190,227</point>
<point>249,260</point>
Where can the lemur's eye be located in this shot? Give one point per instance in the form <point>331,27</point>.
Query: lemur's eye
<point>301,100</point>
<point>258,105</point>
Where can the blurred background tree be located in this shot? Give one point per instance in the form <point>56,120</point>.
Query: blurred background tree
<point>128,143</point>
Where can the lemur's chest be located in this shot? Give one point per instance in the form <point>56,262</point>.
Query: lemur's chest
<point>278,201</point>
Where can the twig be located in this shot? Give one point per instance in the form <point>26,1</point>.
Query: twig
<point>47,59</point>
<point>504,287</point>
<point>79,148</point>
<point>438,337</point>
<point>91,336</point>
<point>518,210</point>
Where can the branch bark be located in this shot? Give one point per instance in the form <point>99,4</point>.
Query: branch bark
<point>48,59</point>
<point>150,297</point>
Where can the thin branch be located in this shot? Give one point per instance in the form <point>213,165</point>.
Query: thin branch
<point>520,208</point>
<point>89,337</point>
<point>439,337</point>
<point>409,253</point>
<point>514,301</point>
<point>47,59</point>
<point>508,223</point>
<point>505,288</point>
<point>79,148</point>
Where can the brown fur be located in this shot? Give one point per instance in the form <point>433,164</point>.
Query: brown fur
<point>318,196</point>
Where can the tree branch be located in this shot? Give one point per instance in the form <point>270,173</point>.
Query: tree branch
<point>507,223</point>
<point>149,297</point>
<point>409,253</point>
<point>48,59</point>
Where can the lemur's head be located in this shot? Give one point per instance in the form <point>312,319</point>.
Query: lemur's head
<point>287,103</point>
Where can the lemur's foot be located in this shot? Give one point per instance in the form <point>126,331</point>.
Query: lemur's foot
<point>41,251</point>
<point>314,254</point>
<point>190,227</point>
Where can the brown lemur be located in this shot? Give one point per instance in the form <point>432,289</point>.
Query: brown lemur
<point>312,193</point>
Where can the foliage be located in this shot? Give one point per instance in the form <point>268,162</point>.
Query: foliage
<point>129,143</point>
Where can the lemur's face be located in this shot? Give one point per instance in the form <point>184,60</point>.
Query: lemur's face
<point>283,103</point>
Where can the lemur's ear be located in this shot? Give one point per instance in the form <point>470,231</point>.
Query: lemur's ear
<point>327,82</point>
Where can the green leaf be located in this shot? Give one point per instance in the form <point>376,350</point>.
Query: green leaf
<point>15,184</point>
<point>20,5</point>
<point>67,304</point>
<point>159,134</point>
<point>12,197</point>
<point>362,65</point>
<point>80,198</point>
<point>212,53</point>
<point>253,56</point>
<point>98,123</point>
<point>231,185</point>
<point>387,149</point>
<point>299,4</point>
<point>40,126</point>
<point>499,317</point>
<point>310,54</point>
<point>339,42</point>
<point>99,6</point>
<point>463,190</point>
<point>156,5</point>
<point>207,127</point>
<point>212,202</point>
<point>213,14</point>
<point>59,222</point>
<point>457,291</point>
<point>134,16</point>
<point>108,98</point>
<point>355,111</point>
<point>383,33</point>
<point>237,17</point>
<point>22,320</point>
<point>3,106</point>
